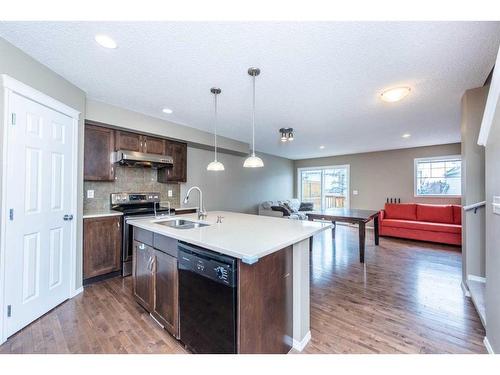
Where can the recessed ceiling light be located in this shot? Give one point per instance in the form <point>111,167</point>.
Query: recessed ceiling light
<point>395,94</point>
<point>321,147</point>
<point>105,41</point>
<point>167,110</point>
<point>406,135</point>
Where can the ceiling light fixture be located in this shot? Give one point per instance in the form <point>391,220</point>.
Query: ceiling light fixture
<point>253,161</point>
<point>286,134</point>
<point>167,110</point>
<point>406,135</point>
<point>321,147</point>
<point>215,165</point>
<point>395,94</point>
<point>105,41</point>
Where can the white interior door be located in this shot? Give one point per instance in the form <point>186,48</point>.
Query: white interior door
<point>38,194</point>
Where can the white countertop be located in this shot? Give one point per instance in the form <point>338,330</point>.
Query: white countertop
<point>100,213</point>
<point>243,236</point>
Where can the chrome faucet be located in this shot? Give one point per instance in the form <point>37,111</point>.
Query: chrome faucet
<point>201,212</point>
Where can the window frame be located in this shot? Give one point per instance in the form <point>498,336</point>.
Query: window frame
<point>299,181</point>
<point>435,158</point>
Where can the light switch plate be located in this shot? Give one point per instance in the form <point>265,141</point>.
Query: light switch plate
<point>170,194</point>
<point>355,192</point>
<point>90,194</point>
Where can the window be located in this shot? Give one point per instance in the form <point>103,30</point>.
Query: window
<point>326,187</point>
<point>438,176</point>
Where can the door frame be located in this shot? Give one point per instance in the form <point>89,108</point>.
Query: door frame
<point>11,86</point>
<point>346,166</point>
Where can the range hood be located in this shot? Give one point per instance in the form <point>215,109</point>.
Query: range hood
<point>141,159</point>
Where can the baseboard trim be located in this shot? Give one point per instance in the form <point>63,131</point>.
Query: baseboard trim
<point>476,278</point>
<point>76,292</point>
<point>465,290</point>
<point>487,345</point>
<point>300,345</point>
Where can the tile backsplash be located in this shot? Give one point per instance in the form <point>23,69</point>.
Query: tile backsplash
<point>128,180</point>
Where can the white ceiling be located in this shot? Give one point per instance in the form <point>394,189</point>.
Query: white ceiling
<point>322,79</point>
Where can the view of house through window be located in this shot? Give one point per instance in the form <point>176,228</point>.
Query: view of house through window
<point>440,176</point>
<point>325,187</point>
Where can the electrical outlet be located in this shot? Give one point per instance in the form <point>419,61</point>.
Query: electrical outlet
<point>355,192</point>
<point>90,194</point>
<point>170,194</point>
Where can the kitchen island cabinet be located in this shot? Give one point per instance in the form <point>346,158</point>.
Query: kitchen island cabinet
<point>272,257</point>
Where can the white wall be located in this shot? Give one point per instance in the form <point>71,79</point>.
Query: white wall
<point>237,188</point>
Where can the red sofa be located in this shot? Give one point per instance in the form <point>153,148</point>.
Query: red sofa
<point>424,222</point>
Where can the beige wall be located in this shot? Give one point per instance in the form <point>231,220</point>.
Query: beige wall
<point>237,188</point>
<point>378,175</point>
<point>473,233</point>
<point>20,66</point>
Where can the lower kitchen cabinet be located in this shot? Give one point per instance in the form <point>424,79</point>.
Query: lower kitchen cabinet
<point>165,307</point>
<point>155,282</point>
<point>142,273</point>
<point>102,243</point>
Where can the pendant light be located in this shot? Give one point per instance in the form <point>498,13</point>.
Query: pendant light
<point>215,165</point>
<point>253,161</point>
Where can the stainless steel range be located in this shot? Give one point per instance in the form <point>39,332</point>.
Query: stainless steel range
<point>135,206</point>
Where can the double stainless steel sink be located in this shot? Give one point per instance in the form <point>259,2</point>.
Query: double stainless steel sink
<point>181,224</point>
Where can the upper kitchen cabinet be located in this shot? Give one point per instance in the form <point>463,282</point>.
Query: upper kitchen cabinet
<point>99,147</point>
<point>178,173</point>
<point>152,145</point>
<point>128,141</point>
<point>138,142</point>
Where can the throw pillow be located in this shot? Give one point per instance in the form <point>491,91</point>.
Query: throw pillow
<point>289,207</point>
<point>306,206</point>
<point>281,209</point>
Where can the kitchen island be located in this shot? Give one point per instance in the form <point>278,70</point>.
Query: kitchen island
<point>271,276</point>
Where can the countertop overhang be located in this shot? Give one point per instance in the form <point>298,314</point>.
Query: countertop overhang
<point>243,236</point>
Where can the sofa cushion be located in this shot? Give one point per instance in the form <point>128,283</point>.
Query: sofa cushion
<point>435,213</point>
<point>457,214</point>
<point>402,211</point>
<point>422,225</point>
<point>268,204</point>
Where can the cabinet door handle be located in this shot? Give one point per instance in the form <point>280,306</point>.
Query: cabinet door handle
<point>118,224</point>
<point>145,145</point>
<point>150,263</point>
<point>142,246</point>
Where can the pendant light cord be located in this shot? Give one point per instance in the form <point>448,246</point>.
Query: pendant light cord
<point>215,125</point>
<point>253,119</point>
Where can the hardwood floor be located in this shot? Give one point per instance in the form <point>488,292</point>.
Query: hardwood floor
<point>406,298</point>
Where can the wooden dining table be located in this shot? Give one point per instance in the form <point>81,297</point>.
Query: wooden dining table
<point>352,216</point>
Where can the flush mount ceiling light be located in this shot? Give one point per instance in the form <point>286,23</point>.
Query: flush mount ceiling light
<point>406,135</point>
<point>286,134</point>
<point>395,94</point>
<point>215,165</point>
<point>321,147</point>
<point>105,41</point>
<point>167,110</point>
<point>253,161</point>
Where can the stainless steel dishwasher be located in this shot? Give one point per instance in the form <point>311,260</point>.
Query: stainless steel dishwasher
<point>207,300</point>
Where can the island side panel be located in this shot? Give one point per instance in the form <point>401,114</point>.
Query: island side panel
<point>265,304</point>
<point>301,295</point>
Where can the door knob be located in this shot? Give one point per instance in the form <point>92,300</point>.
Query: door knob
<point>68,217</point>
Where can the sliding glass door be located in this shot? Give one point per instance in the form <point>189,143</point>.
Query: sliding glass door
<point>326,187</point>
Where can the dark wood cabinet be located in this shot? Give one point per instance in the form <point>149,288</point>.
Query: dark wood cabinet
<point>155,278</point>
<point>99,147</point>
<point>102,240</point>
<point>139,143</point>
<point>165,308</point>
<point>142,273</point>
<point>128,141</point>
<point>152,145</point>
<point>178,173</point>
